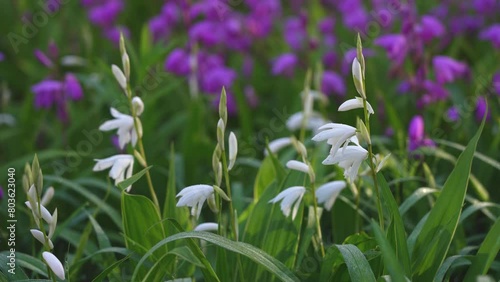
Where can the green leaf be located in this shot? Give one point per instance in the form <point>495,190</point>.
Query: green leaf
<point>181,215</point>
<point>396,234</point>
<point>486,253</point>
<point>129,181</point>
<point>448,264</point>
<point>389,256</point>
<point>358,266</point>
<point>434,240</point>
<point>110,268</point>
<point>247,250</point>
<point>4,267</point>
<point>414,198</point>
<point>102,238</point>
<point>142,225</point>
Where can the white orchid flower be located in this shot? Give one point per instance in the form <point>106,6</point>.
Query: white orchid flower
<point>54,264</point>
<point>313,121</point>
<point>328,193</point>
<point>278,144</point>
<point>124,125</point>
<point>288,197</point>
<point>119,76</point>
<point>121,166</point>
<point>337,135</point>
<point>299,166</point>
<point>40,237</point>
<point>349,158</point>
<point>138,105</point>
<point>356,103</point>
<point>194,196</point>
<point>233,150</point>
<point>207,226</point>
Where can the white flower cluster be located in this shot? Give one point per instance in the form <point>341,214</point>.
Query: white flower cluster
<point>33,186</point>
<point>128,127</point>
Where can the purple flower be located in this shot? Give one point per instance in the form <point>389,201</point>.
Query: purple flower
<point>466,23</point>
<point>207,33</point>
<point>295,33</point>
<point>1,192</point>
<point>47,92</point>
<point>435,90</point>
<point>72,87</point>
<point>416,134</point>
<point>349,56</point>
<point>448,69</point>
<point>395,45</point>
<point>171,13</point>
<point>482,109</point>
<point>332,83</point>
<point>326,25</point>
<point>485,6</point>
<point>258,27</point>
<point>106,14</point>
<point>214,80</point>
<point>430,28</point>
<point>158,28</point>
<point>329,59</point>
<point>178,62</point>
<point>496,82</point>
<point>492,34</point>
<point>404,87</point>
<point>53,5</point>
<point>356,19</point>
<point>113,33</point>
<point>42,58</point>
<point>453,114</point>
<point>2,57</point>
<point>285,64</point>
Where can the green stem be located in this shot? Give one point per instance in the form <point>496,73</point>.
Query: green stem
<point>320,235</point>
<point>372,168</point>
<point>228,188</point>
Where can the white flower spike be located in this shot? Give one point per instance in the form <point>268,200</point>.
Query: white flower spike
<point>314,120</point>
<point>207,226</point>
<point>278,144</point>
<point>356,103</point>
<point>299,166</point>
<point>54,264</point>
<point>337,134</point>
<point>119,76</point>
<point>124,125</point>
<point>121,167</point>
<point>194,196</point>
<point>349,158</point>
<point>328,193</point>
<point>233,150</point>
<point>288,197</point>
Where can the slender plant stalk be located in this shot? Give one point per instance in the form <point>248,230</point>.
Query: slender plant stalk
<point>228,188</point>
<point>318,226</point>
<point>372,168</point>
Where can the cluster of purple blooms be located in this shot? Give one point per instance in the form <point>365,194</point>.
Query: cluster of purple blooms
<point>55,90</point>
<point>104,14</point>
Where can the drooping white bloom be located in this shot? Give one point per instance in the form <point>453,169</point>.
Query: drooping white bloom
<point>299,166</point>
<point>337,134</point>
<point>47,196</point>
<point>38,235</point>
<point>194,196</point>
<point>278,144</point>
<point>313,121</point>
<point>138,105</point>
<point>207,226</point>
<point>45,213</point>
<point>54,264</point>
<point>233,150</point>
<point>356,103</point>
<point>125,125</point>
<point>349,158</point>
<point>221,128</point>
<point>119,76</point>
<point>121,166</point>
<point>328,193</point>
<point>288,197</point>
